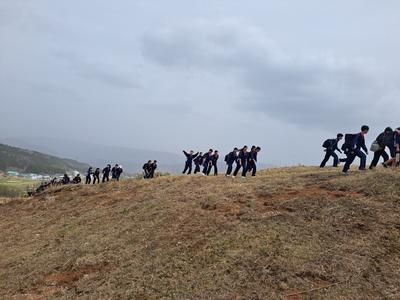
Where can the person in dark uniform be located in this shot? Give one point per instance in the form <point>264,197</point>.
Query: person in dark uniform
<point>77,179</point>
<point>153,168</point>
<point>106,173</point>
<point>66,179</point>
<point>189,161</point>
<point>213,164</point>
<point>96,176</point>
<point>242,162</point>
<point>198,161</point>
<point>118,172</point>
<point>230,158</point>
<point>207,161</point>
<point>385,139</point>
<point>252,163</point>
<point>395,160</point>
<point>146,169</point>
<point>89,175</point>
<point>354,150</point>
<point>114,172</point>
<point>331,146</point>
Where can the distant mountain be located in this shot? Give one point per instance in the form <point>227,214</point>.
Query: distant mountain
<point>28,161</point>
<point>96,155</point>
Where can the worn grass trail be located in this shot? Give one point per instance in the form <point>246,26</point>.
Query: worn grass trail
<point>293,233</point>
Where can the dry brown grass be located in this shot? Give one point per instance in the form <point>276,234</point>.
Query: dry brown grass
<point>293,233</point>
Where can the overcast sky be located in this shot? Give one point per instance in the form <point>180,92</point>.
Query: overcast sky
<point>173,75</point>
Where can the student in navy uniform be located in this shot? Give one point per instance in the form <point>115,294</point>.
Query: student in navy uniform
<point>207,161</point>
<point>198,161</point>
<point>77,179</point>
<point>354,150</point>
<point>189,161</point>
<point>106,173</point>
<point>213,164</point>
<point>114,172</point>
<point>230,158</point>
<point>331,146</point>
<point>252,163</point>
<point>242,162</point>
<point>89,175</point>
<point>146,169</point>
<point>395,160</point>
<point>152,169</point>
<point>385,139</point>
<point>66,179</point>
<point>118,173</point>
<point>96,176</point>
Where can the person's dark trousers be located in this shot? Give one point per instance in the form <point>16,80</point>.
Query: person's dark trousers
<point>197,169</point>
<point>106,178</point>
<point>188,166</point>
<point>238,166</point>
<point>377,156</point>
<point>88,180</point>
<point>205,169</point>
<point>96,178</point>
<point>215,169</point>
<point>328,155</point>
<point>229,169</point>
<point>350,158</point>
<point>254,169</point>
<point>244,170</point>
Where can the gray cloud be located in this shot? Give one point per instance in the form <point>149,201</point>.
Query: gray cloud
<point>311,90</point>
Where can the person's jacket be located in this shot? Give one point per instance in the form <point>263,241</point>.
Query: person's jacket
<point>198,159</point>
<point>243,155</point>
<point>334,145</point>
<point>214,158</point>
<point>231,158</point>
<point>359,143</point>
<point>189,156</point>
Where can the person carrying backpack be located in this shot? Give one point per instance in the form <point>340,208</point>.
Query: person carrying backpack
<point>230,158</point>
<point>331,145</point>
<point>241,162</point>
<point>353,145</point>
<point>385,139</point>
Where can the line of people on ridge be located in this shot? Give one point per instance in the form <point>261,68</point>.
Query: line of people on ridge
<point>354,146</point>
<point>242,158</point>
<point>149,169</point>
<point>115,172</point>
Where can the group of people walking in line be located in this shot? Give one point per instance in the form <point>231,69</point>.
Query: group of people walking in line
<point>94,176</point>
<point>354,146</point>
<point>243,159</point>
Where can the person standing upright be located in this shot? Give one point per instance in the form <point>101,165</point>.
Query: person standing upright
<point>213,163</point>
<point>106,173</point>
<point>89,175</point>
<point>230,158</point>
<point>96,176</point>
<point>385,139</point>
<point>243,158</point>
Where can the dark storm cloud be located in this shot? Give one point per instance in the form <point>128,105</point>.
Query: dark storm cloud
<point>313,90</point>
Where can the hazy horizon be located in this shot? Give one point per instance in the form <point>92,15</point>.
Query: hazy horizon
<point>168,76</point>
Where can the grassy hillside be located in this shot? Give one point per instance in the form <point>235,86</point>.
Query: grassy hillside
<point>295,233</point>
<point>25,161</point>
<point>15,187</point>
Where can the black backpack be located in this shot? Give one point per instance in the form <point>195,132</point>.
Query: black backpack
<point>348,140</point>
<point>327,144</point>
<point>226,158</point>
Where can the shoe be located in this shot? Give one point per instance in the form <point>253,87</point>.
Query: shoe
<point>244,177</point>
<point>385,165</point>
<point>233,176</point>
<point>363,169</point>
